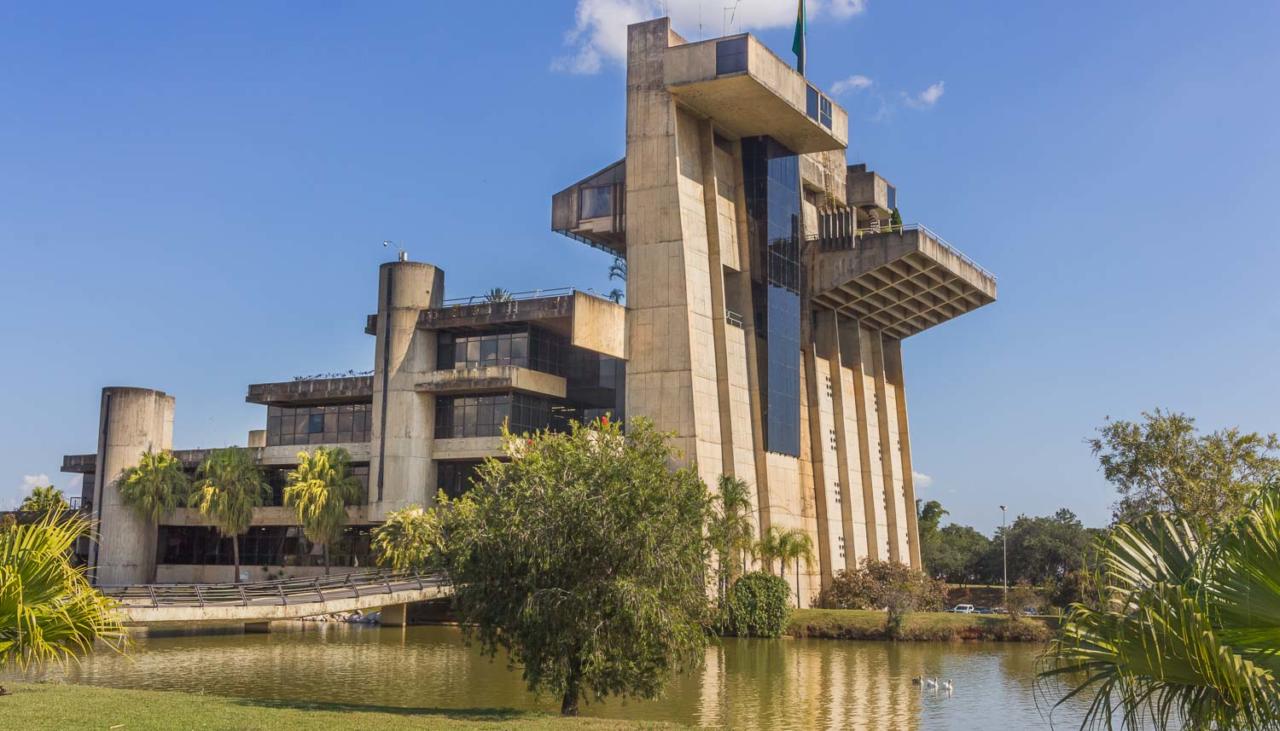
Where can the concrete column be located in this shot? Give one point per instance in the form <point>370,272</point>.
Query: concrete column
<point>394,615</point>
<point>400,469</point>
<point>131,421</point>
<point>895,379</point>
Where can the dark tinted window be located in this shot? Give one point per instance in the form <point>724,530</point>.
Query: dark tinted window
<point>824,112</point>
<point>595,202</point>
<point>329,424</point>
<point>811,102</point>
<point>731,56</point>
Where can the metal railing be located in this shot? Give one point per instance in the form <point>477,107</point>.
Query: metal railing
<point>890,228</point>
<point>733,318</point>
<point>480,299</point>
<point>283,592</point>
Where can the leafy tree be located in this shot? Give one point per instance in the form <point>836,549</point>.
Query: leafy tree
<point>880,584</point>
<point>756,606</point>
<point>153,488</point>
<point>1162,465</point>
<point>411,538</point>
<point>1041,549</point>
<point>319,490</point>
<point>584,557</point>
<point>895,220</point>
<point>731,529</point>
<point>228,487</point>
<point>44,499</point>
<point>956,553</point>
<point>48,610</point>
<point>928,516</point>
<point>1188,633</point>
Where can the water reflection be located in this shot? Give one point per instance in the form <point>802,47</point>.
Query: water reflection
<point>746,684</point>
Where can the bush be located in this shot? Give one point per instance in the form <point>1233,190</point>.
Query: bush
<point>756,606</point>
<point>881,584</point>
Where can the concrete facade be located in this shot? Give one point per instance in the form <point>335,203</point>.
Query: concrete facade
<point>769,290</point>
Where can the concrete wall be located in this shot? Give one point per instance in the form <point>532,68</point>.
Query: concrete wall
<point>400,466</point>
<point>131,422</point>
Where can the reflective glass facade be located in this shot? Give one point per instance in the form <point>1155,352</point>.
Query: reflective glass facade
<point>525,347</point>
<point>276,545</point>
<point>771,178</point>
<point>328,424</point>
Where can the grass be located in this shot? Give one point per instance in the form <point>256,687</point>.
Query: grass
<point>33,706</point>
<point>860,624</point>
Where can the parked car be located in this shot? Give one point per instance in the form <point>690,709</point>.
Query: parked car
<point>963,609</point>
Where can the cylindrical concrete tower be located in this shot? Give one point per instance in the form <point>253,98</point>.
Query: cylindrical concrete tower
<point>131,421</point>
<point>400,469</point>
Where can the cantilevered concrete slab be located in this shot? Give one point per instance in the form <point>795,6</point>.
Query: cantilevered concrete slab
<point>310,391</point>
<point>493,379</point>
<point>767,97</point>
<point>593,210</point>
<point>900,282</point>
<point>590,322</point>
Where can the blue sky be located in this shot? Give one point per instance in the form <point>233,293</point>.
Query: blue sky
<point>193,196</point>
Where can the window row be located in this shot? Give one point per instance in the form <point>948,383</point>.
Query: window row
<point>329,424</point>
<point>276,545</point>
<point>818,107</point>
<point>483,416</point>
<point>531,348</point>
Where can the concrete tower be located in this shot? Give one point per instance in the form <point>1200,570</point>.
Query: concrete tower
<point>400,467</point>
<point>131,421</point>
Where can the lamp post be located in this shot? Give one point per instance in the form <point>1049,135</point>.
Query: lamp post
<point>1004,536</point>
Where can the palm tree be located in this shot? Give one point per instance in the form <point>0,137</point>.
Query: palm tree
<point>319,491</point>
<point>229,486</point>
<point>795,544</point>
<point>153,488</point>
<point>1186,630</point>
<point>409,538</point>
<point>616,295</point>
<point>44,499</point>
<point>48,610</point>
<point>731,529</point>
<point>766,549</point>
<point>618,269</point>
<point>497,294</point>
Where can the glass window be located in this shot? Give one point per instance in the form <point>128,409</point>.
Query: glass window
<point>824,112</point>
<point>731,56</point>
<point>595,202</point>
<point>811,102</point>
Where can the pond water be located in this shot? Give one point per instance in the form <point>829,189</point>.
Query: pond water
<point>746,684</point>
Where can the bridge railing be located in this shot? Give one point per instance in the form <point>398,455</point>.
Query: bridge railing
<point>282,592</point>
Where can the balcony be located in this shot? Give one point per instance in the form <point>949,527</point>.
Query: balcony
<point>900,282</point>
<point>748,91</point>
<point>492,379</point>
<point>593,210</point>
<point>312,391</point>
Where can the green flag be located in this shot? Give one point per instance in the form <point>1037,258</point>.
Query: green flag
<point>797,45</point>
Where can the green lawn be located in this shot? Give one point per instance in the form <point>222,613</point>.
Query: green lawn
<point>57,706</point>
<point>859,624</point>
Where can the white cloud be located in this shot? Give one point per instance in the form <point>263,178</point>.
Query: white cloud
<point>29,482</point>
<point>599,33</point>
<point>921,479</point>
<point>857,82</point>
<point>926,98</point>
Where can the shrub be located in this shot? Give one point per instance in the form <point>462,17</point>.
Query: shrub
<point>883,584</point>
<point>756,606</point>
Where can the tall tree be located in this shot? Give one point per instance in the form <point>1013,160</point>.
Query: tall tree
<point>956,554</point>
<point>48,610</point>
<point>731,529</point>
<point>319,490</point>
<point>794,544</point>
<point>1042,549</point>
<point>228,487</point>
<point>1163,465</point>
<point>153,488</point>
<point>44,499</point>
<point>1188,633</point>
<point>584,557</point>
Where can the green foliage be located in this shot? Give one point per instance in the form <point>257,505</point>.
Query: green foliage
<point>895,220</point>
<point>154,486</point>
<point>228,487</point>
<point>1162,465</point>
<point>785,545</point>
<point>411,538</point>
<point>1021,597</point>
<point>756,606</point>
<point>957,553</point>
<point>319,490</point>
<point>1189,630</point>
<point>584,557</point>
<point>48,610</point>
<point>497,294</point>
<point>618,269</point>
<point>731,529</point>
<point>883,584</point>
<point>44,499</point>
<point>1042,549</point>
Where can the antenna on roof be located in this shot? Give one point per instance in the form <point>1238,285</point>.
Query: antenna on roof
<point>401,254</point>
<point>729,14</point>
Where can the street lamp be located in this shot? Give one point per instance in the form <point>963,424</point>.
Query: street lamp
<point>1004,536</point>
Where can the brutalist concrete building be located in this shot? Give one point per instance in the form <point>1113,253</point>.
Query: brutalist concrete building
<point>768,293</point>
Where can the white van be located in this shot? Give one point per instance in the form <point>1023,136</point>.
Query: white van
<point>963,609</point>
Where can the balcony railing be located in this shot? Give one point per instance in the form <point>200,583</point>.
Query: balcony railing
<point>532,294</point>
<point>847,242</point>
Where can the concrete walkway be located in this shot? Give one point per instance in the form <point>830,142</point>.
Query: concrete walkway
<point>266,601</point>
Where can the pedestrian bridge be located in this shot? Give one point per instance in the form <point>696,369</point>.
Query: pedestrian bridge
<point>260,602</point>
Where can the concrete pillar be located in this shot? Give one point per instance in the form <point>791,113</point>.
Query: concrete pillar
<point>394,615</point>
<point>131,421</point>
<point>400,469</point>
<point>257,438</point>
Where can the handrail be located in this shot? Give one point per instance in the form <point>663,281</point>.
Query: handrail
<point>479,299</point>
<point>280,592</point>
